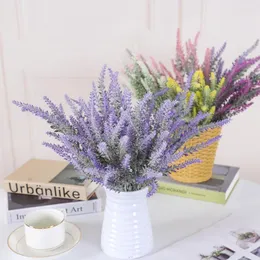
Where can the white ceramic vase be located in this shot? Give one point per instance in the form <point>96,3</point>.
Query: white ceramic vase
<point>127,230</point>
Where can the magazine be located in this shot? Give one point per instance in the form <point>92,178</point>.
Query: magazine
<point>236,237</point>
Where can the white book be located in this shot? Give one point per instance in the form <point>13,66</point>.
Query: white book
<point>19,205</point>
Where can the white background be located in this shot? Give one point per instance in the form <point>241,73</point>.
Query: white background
<point>53,47</point>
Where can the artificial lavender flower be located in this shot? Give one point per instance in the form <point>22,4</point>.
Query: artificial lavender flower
<point>221,92</point>
<point>116,144</point>
<point>241,87</point>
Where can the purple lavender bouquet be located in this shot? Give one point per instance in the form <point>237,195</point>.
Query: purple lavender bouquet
<point>116,144</point>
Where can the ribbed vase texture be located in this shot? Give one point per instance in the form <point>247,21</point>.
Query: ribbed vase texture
<point>127,230</point>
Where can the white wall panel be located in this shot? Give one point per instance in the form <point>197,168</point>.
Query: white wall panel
<point>6,149</point>
<point>82,17</point>
<point>236,22</point>
<point>160,37</point>
<point>13,63</point>
<point>53,47</point>
<point>191,19</point>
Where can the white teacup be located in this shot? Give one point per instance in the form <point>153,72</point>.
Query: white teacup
<point>44,229</point>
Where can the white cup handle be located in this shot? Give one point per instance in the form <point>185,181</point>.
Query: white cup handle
<point>64,212</point>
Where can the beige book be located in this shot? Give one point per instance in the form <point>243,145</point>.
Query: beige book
<point>49,178</point>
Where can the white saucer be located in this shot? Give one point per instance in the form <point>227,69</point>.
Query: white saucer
<point>16,242</point>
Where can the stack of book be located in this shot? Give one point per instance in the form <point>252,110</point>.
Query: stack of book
<point>49,184</point>
<point>56,184</point>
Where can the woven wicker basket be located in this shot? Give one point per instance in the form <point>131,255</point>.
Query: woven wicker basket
<point>198,172</point>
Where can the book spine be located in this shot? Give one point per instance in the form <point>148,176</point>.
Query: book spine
<point>56,190</point>
<point>191,192</point>
<point>71,209</point>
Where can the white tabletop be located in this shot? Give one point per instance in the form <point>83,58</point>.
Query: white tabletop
<point>173,219</point>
